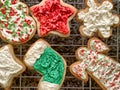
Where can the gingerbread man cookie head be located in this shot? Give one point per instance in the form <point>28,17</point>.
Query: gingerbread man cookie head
<point>16,26</point>
<point>51,65</point>
<point>97,18</point>
<point>10,66</point>
<point>52,17</point>
<point>103,69</point>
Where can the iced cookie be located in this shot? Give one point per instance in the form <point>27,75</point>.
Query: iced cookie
<point>52,17</point>
<point>92,61</point>
<point>51,65</point>
<point>97,18</point>
<point>10,66</point>
<point>16,27</point>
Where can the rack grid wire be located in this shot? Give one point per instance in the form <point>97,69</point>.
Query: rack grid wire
<point>66,47</point>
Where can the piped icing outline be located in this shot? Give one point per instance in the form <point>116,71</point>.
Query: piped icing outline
<point>16,26</point>
<point>100,67</point>
<point>97,18</point>
<point>58,21</point>
<point>10,66</point>
<point>36,52</point>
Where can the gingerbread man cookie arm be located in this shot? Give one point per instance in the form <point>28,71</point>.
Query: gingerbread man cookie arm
<point>48,63</point>
<point>97,45</point>
<point>10,66</point>
<point>79,71</point>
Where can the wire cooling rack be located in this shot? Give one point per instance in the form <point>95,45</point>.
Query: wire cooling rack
<point>66,47</point>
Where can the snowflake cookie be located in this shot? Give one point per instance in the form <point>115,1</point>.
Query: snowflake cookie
<point>97,17</point>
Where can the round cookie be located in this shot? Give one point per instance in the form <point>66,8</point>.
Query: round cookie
<point>16,27</point>
<point>10,66</point>
<point>46,61</point>
<point>52,17</point>
<point>92,61</point>
<point>97,18</point>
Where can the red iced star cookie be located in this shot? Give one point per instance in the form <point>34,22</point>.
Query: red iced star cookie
<point>52,17</point>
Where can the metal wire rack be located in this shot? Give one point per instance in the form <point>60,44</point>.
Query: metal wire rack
<point>66,47</point>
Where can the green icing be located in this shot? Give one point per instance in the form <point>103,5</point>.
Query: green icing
<point>51,66</point>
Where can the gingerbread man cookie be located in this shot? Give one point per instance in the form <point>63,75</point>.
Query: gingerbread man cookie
<point>97,18</point>
<point>16,26</point>
<point>103,69</point>
<point>48,63</point>
<point>10,66</point>
<point>52,17</point>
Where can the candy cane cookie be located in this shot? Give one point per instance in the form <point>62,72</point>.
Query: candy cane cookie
<point>92,61</point>
<point>16,27</point>
<point>51,65</point>
<point>97,18</point>
<point>10,66</point>
<point>52,17</point>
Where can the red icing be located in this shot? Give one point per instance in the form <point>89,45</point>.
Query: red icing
<point>12,12</point>
<point>3,11</point>
<point>14,1</point>
<point>52,17</point>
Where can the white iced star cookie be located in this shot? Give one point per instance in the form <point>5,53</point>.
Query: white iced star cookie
<point>10,66</point>
<point>97,17</point>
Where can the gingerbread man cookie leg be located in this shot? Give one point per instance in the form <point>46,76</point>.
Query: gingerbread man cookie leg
<point>10,66</point>
<point>103,69</point>
<point>48,63</point>
<point>97,18</point>
<point>16,27</point>
<point>52,17</point>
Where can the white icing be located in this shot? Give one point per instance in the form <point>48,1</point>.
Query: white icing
<point>98,18</point>
<point>34,53</point>
<point>48,86</point>
<point>25,30</point>
<point>79,70</point>
<point>100,66</point>
<point>8,66</point>
<point>97,45</point>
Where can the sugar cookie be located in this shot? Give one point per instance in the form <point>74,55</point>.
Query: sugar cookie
<point>48,63</point>
<point>52,17</point>
<point>97,18</point>
<point>10,66</point>
<point>16,27</point>
<point>103,69</point>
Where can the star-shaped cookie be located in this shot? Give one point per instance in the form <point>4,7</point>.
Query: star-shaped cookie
<point>10,66</point>
<point>52,17</point>
<point>97,17</point>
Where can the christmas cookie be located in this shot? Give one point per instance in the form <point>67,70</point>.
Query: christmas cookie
<point>52,17</point>
<point>97,18</point>
<point>92,61</point>
<point>10,66</point>
<point>16,26</point>
<point>46,61</point>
